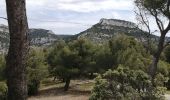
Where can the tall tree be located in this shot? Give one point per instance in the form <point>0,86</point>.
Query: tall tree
<point>18,49</point>
<point>68,61</point>
<point>160,11</point>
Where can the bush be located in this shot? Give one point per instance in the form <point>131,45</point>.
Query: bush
<point>37,70</point>
<point>125,84</point>
<point>2,68</point>
<point>3,91</point>
<point>33,87</point>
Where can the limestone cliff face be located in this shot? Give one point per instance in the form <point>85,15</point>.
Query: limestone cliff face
<point>37,37</point>
<point>101,32</point>
<point>116,22</point>
<point>41,37</point>
<point>4,38</point>
<point>4,28</point>
<point>108,28</point>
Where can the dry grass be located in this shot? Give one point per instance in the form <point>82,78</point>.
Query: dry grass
<point>67,97</point>
<point>79,90</point>
<point>168,92</point>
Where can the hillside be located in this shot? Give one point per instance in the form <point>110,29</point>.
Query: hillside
<point>4,38</point>
<point>98,33</point>
<point>40,37</point>
<point>37,37</point>
<point>108,28</point>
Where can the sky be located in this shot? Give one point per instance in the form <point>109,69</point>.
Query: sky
<point>72,16</point>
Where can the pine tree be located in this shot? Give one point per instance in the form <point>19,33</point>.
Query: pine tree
<point>18,49</point>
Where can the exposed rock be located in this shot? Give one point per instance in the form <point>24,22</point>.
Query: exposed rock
<point>37,37</point>
<point>108,28</point>
<point>116,22</point>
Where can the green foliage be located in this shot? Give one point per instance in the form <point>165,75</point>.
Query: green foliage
<point>3,91</point>
<point>54,58</point>
<point>129,52</point>
<point>36,70</point>
<point>2,68</point>
<point>125,84</point>
<point>167,54</point>
<point>104,59</point>
<point>167,69</point>
<point>72,59</point>
<point>163,74</point>
<point>160,79</point>
<point>155,7</point>
<point>163,68</point>
<point>62,61</point>
<point>80,57</point>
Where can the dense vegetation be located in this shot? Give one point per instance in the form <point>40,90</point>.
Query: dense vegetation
<point>37,70</point>
<point>126,84</point>
<point>82,58</point>
<point>121,66</point>
<point>126,68</point>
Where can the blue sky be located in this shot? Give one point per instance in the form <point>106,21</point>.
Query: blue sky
<point>58,15</point>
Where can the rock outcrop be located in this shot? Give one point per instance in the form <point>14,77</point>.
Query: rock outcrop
<point>108,28</point>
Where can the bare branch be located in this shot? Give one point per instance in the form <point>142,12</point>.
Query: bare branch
<point>143,19</point>
<point>159,23</point>
<point>3,18</point>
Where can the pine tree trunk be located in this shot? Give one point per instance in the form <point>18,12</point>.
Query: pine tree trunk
<point>54,78</point>
<point>91,75</point>
<point>67,84</point>
<point>18,49</point>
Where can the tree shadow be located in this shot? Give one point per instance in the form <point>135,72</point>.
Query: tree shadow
<point>59,91</point>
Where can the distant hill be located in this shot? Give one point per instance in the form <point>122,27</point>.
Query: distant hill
<point>41,37</point>
<point>4,38</point>
<point>98,33</point>
<point>108,28</point>
<point>37,37</point>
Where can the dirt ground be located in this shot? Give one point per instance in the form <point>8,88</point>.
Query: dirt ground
<point>71,95</point>
<point>167,96</point>
<point>76,92</point>
<point>79,90</point>
<point>68,97</point>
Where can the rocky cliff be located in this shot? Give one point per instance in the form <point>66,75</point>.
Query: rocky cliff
<point>116,22</point>
<point>108,28</point>
<point>37,37</point>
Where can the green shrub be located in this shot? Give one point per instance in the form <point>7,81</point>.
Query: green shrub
<point>125,84</point>
<point>36,70</point>
<point>2,68</point>
<point>3,91</point>
<point>33,87</point>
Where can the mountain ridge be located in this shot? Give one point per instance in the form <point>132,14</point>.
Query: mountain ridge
<point>36,36</point>
<point>108,28</point>
<point>100,32</point>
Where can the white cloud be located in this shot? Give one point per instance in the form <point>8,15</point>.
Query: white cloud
<point>35,3</point>
<point>82,11</point>
<point>2,3</point>
<point>82,5</point>
<point>60,28</point>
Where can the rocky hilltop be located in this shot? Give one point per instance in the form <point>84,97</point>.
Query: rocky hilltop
<point>4,38</point>
<point>37,37</point>
<point>41,37</point>
<point>116,22</point>
<point>101,32</point>
<point>108,28</point>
